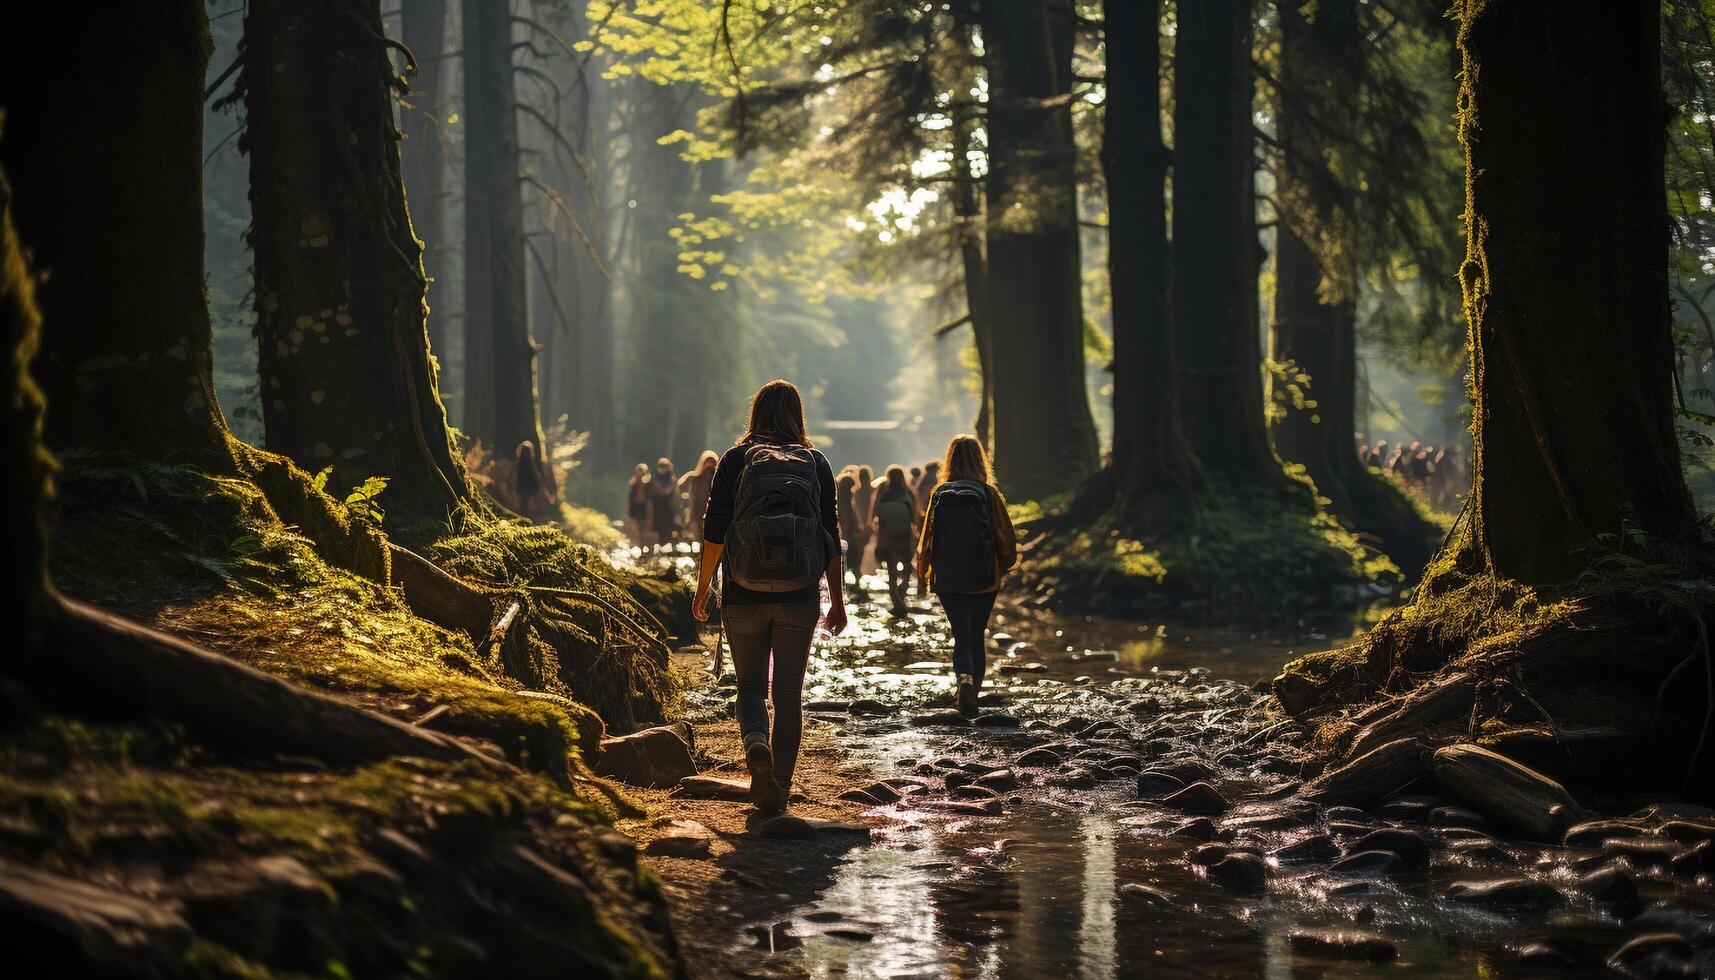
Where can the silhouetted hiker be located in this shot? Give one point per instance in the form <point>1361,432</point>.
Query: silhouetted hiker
<point>1378,455</point>
<point>894,518</point>
<point>773,528</point>
<point>967,548</point>
<point>924,486</point>
<point>694,488</point>
<point>637,506</point>
<point>845,497</point>
<point>528,484</point>
<point>664,503</point>
<point>863,497</point>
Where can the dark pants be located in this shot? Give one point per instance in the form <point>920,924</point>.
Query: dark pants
<point>969,616</point>
<point>783,629</point>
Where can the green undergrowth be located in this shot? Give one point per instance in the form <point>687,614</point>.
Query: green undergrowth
<point>586,525</point>
<point>1234,558</point>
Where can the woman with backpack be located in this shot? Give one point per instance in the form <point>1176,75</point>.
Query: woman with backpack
<point>773,529</point>
<point>894,518</point>
<point>637,507</point>
<point>664,504</point>
<point>967,548</point>
<point>845,502</point>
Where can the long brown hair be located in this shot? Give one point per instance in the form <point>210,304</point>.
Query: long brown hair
<point>966,460</point>
<point>777,416</point>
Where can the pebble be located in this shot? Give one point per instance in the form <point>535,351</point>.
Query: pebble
<point>1341,944</point>
<point>1541,956</point>
<point>1202,828</point>
<point>1593,833</point>
<point>1364,863</point>
<point>1133,891</point>
<point>1655,954</point>
<point>1507,892</point>
<point>1312,849</point>
<point>1038,759</point>
<point>1457,816</point>
<point>683,839</point>
<point>1204,855</point>
<point>1412,849</point>
<point>1241,871</point>
<point>870,706</point>
<point>1612,886</point>
<point>1154,784</point>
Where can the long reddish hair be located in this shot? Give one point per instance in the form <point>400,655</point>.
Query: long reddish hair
<point>777,416</point>
<point>966,460</point>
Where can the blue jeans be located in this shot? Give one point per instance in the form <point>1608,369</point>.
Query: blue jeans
<point>969,616</point>
<point>780,631</point>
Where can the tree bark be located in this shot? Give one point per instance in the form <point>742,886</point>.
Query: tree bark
<point>1215,249</point>
<point>423,28</point>
<point>1150,454</point>
<point>1044,436</point>
<point>968,218</point>
<point>341,315</point>
<point>1565,282</point>
<point>129,366</point>
<point>500,356</point>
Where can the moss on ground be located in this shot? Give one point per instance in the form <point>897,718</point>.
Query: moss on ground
<point>1234,558</point>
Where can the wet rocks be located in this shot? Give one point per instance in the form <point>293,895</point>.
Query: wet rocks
<point>1656,954</point>
<point>1242,871</point>
<point>1408,845</point>
<point>652,757</point>
<point>1202,828</point>
<point>1141,894</point>
<point>1510,792</point>
<point>1341,944</point>
<point>1522,893</point>
<point>1368,864</point>
<point>1039,759</point>
<point>870,707</point>
<point>1204,855</point>
<point>1592,833</point>
<point>1154,784</point>
<point>1612,887</point>
<point>1199,799</point>
<point>1371,776</point>
<point>1313,849</point>
<point>1000,780</point>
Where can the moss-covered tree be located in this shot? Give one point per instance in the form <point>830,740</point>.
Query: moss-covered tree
<point>1313,323</point>
<point>1044,438</point>
<point>500,356</point>
<point>346,376</point>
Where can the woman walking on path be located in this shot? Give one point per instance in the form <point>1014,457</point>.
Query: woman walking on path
<point>894,519</point>
<point>968,546</point>
<point>863,497</point>
<point>845,500</point>
<point>694,488</point>
<point>664,504</point>
<point>772,527</point>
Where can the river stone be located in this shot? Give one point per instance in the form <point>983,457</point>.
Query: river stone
<point>1072,779</point>
<point>1694,860</point>
<point>1480,849</point>
<point>1655,954</point>
<point>1038,759</point>
<point>999,779</point>
<point>683,839</point>
<point>1412,849</point>
<point>790,826</point>
<point>1155,784</point>
<point>1345,814</point>
<point>972,791</point>
<point>1612,886</point>
<point>1199,799</point>
<point>1687,831</point>
<point>1204,855</point>
<point>1368,863</point>
<point>1511,792</point>
<point>1541,956</point>
<point>1507,893</point>
<point>883,791</point>
<point>1643,852</point>
<point>1341,944</point>
<point>1200,828</point>
<point>1415,808</point>
<point>1313,849</point>
<point>995,722</point>
<point>652,757</point>
<point>1142,894</point>
<point>1241,871</point>
<point>870,706</point>
<point>1457,816</point>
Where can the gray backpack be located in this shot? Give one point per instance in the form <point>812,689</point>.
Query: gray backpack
<point>776,542</point>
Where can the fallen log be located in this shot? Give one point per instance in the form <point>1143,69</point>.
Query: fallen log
<point>1371,777</point>
<point>139,672</point>
<point>1510,792</point>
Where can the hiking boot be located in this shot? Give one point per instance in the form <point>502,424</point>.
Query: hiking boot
<point>967,696</point>
<point>765,794</point>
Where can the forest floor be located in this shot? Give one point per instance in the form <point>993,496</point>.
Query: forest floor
<point>1118,807</point>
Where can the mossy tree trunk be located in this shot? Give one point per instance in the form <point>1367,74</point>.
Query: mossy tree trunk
<point>1565,282</point>
<point>500,356</point>
<point>26,600</point>
<point>340,292</point>
<point>423,28</point>
<point>1215,248</point>
<point>129,366</point>
<point>1044,435</point>
<point>1150,454</point>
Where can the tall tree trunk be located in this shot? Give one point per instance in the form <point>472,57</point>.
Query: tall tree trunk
<point>1565,281</point>
<point>1044,435</point>
<point>500,356</point>
<point>423,29</point>
<point>1150,455</point>
<point>1215,249</point>
<point>25,596</point>
<point>967,212</point>
<point>130,366</point>
<point>346,376</point>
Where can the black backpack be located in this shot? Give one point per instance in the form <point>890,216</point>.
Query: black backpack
<point>964,556</point>
<point>893,514</point>
<point>776,542</point>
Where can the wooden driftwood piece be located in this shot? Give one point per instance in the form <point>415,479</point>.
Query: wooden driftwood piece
<point>136,671</point>
<point>1493,784</point>
<point>1371,777</point>
<point>1432,704</point>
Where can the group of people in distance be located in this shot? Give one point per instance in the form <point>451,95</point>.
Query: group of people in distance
<point>773,526</point>
<point>663,507</point>
<point>1437,471</point>
<point>887,516</point>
